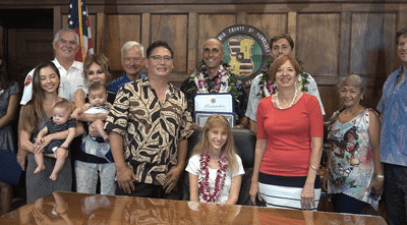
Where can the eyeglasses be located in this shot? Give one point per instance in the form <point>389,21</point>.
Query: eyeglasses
<point>158,58</point>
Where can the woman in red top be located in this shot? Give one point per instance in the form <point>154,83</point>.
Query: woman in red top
<point>289,142</point>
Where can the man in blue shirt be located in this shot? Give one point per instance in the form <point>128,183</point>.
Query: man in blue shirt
<point>393,143</point>
<point>132,62</point>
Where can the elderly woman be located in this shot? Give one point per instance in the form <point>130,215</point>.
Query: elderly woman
<point>93,159</point>
<point>289,142</point>
<point>355,176</point>
<point>34,116</point>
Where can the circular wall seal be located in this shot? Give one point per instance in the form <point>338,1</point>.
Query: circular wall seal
<point>246,50</point>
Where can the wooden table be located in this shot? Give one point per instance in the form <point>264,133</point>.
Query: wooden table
<point>73,208</point>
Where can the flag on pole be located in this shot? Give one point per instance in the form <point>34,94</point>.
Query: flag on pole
<point>78,20</point>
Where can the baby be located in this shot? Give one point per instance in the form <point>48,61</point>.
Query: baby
<point>60,122</point>
<point>97,105</point>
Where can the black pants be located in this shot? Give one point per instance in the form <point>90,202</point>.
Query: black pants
<point>148,190</point>
<point>395,188</point>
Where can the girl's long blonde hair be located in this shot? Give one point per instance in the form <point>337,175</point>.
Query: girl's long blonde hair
<point>228,148</point>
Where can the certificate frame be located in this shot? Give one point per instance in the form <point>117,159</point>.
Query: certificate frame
<point>201,117</point>
<point>214,102</point>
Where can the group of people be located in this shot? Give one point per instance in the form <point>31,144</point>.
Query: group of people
<point>134,129</point>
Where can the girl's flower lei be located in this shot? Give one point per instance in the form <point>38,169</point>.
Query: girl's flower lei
<point>225,81</point>
<point>204,188</point>
<point>267,87</point>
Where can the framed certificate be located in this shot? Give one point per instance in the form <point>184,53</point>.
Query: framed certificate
<point>201,117</point>
<point>214,102</point>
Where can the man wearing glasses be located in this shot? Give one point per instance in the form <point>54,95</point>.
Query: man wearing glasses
<point>132,61</point>
<point>147,123</point>
<point>212,76</point>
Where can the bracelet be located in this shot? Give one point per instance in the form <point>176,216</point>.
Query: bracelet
<point>380,176</point>
<point>314,168</point>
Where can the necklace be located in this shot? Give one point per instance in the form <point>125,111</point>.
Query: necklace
<point>291,103</point>
<point>203,186</point>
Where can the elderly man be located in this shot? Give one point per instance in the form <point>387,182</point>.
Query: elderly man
<point>149,119</point>
<point>132,62</point>
<point>393,143</point>
<point>66,44</point>
<point>262,87</point>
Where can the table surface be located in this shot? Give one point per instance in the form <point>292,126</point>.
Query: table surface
<point>74,208</point>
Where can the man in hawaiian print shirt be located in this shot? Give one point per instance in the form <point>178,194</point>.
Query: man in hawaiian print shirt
<point>211,76</point>
<point>148,122</point>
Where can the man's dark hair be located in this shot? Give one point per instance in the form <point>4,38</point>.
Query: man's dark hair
<point>157,44</point>
<point>281,36</point>
<point>401,32</point>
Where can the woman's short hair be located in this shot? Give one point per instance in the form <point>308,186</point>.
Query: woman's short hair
<point>352,80</point>
<point>100,60</point>
<point>279,62</point>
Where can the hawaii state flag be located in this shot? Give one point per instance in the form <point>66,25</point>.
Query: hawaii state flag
<point>78,20</point>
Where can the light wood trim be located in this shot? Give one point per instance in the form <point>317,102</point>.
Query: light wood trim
<point>192,41</point>
<point>57,18</point>
<point>241,18</point>
<point>99,35</point>
<point>292,28</point>
<point>345,44</point>
<point>145,30</point>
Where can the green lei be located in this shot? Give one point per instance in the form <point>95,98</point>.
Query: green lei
<point>265,77</point>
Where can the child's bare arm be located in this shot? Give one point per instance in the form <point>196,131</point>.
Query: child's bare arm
<point>69,138</point>
<point>78,111</point>
<point>110,105</point>
<point>41,135</point>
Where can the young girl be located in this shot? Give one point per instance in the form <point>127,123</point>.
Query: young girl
<point>97,105</point>
<point>60,122</point>
<point>215,169</point>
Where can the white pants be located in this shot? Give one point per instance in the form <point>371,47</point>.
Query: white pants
<point>87,177</point>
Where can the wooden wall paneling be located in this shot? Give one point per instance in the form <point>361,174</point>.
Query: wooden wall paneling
<point>292,28</point>
<point>241,18</point>
<point>145,30</point>
<point>192,41</point>
<point>345,44</point>
<point>372,50</point>
<point>57,18</point>
<point>2,42</point>
<point>330,98</point>
<point>121,28</point>
<point>372,43</point>
<point>210,25</point>
<point>173,29</point>
<point>318,42</point>
<point>270,24</point>
<point>26,48</point>
<point>99,35</point>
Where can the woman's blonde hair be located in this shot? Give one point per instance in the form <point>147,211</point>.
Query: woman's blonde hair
<point>32,114</point>
<point>228,148</point>
<point>100,60</point>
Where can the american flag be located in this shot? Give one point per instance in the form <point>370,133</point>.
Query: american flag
<point>79,21</point>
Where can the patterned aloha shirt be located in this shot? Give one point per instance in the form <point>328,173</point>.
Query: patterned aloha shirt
<point>150,130</point>
<point>393,105</point>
